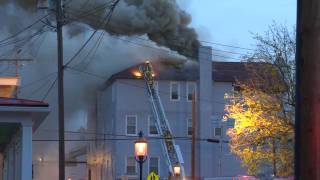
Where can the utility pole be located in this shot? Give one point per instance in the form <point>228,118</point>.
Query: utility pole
<point>59,19</point>
<point>307,138</point>
<point>193,143</point>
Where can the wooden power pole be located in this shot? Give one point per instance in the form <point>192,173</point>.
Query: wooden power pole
<point>193,143</point>
<point>59,19</point>
<point>307,149</point>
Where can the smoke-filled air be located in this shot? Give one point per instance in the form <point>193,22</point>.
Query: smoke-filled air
<point>138,30</point>
<point>161,20</point>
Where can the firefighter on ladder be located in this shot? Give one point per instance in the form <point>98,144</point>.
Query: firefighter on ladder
<point>149,73</point>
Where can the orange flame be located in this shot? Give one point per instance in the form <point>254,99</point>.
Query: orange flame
<point>137,74</point>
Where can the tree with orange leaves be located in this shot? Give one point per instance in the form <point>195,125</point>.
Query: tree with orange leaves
<point>262,136</point>
<point>263,108</point>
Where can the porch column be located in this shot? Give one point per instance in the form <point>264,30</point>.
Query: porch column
<point>26,151</point>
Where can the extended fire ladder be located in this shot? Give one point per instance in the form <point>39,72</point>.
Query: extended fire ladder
<point>170,149</point>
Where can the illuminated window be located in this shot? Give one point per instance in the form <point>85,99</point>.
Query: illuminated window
<point>217,131</point>
<point>189,126</point>
<point>152,126</point>
<point>131,122</point>
<point>154,165</point>
<point>130,166</point>
<point>174,91</point>
<point>191,88</point>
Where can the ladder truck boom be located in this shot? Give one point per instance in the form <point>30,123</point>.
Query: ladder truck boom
<point>170,149</point>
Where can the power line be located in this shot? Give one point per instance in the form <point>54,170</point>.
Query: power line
<point>214,49</point>
<point>226,45</point>
<point>50,88</point>
<point>38,80</point>
<point>123,139</point>
<point>107,19</point>
<point>24,29</point>
<point>92,50</point>
<point>39,88</point>
<point>209,42</point>
<point>165,51</point>
<point>126,137</point>
<point>144,45</point>
<point>25,39</point>
<point>96,9</point>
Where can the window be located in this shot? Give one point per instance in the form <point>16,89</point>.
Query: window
<point>130,166</point>
<point>153,131</point>
<point>191,88</point>
<point>154,165</point>
<point>189,126</point>
<point>131,125</point>
<point>174,91</point>
<point>217,131</point>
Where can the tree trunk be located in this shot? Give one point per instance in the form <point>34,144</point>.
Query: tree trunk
<point>274,157</point>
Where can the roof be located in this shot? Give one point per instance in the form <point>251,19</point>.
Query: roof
<point>22,102</point>
<point>221,72</point>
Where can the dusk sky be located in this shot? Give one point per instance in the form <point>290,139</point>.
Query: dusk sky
<point>232,22</point>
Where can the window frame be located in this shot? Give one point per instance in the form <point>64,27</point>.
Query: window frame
<point>189,118</point>
<point>178,90</point>
<point>158,164</point>
<point>136,124</point>
<point>214,132</point>
<point>154,135</point>
<point>195,89</point>
<point>126,167</point>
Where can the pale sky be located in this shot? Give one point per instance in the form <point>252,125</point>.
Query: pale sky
<point>233,21</point>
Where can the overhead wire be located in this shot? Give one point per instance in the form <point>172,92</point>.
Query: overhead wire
<point>83,14</point>
<point>108,16</point>
<point>166,51</point>
<point>214,49</point>
<point>25,39</point>
<point>37,80</point>
<point>41,87</point>
<point>107,20</point>
<point>24,29</point>
<point>227,45</point>
<point>124,136</point>
<point>50,88</point>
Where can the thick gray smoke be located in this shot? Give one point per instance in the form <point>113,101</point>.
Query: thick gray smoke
<point>161,20</point>
<point>112,56</point>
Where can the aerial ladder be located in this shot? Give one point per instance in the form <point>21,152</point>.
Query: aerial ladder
<point>170,149</point>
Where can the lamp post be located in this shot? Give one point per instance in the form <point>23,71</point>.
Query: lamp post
<point>141,151</point>
<point>177,170</point>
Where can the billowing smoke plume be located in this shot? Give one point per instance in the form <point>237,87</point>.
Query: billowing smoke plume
<point>158,20</point>
<point>161,20</point>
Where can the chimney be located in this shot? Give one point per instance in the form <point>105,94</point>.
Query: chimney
<point>204,153</point>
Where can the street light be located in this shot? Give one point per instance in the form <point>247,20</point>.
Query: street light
<point>141,151</point>
<point>176,170</point>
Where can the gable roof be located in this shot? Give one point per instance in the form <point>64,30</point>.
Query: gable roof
<point>221,72</point>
